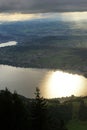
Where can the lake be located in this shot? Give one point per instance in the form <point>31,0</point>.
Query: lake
<point>10,43</point>
<point>52,83</point>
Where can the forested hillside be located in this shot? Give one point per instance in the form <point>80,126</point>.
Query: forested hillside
<point>18,112</point>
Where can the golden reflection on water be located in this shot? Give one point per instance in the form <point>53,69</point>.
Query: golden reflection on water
<point>61,84</point>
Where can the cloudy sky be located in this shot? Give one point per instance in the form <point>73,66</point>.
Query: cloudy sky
<point>41,6</point>
<point>16,10</point>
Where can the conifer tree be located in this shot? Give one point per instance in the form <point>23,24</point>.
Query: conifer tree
<point>39,112</point>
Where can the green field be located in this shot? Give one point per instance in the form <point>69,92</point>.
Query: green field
<point>45,57</point>
<point>77,125</point>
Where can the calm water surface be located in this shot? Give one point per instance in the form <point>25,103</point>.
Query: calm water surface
<point>10,43</point>
<point>51,83</point>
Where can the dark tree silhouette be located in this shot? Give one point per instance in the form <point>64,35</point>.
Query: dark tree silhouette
<point>13,114</point>
<point>62,125</point>
<point>20,113</point>
<point>39,112</point>
<point>6,108</point>
<point>82,111</point>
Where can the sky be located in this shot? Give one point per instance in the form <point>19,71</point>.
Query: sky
<point>17,10</point>
<point>42,6</point>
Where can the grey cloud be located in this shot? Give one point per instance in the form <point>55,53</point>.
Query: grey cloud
<point>40,6</point>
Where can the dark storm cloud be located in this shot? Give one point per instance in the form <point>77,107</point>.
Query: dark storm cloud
<point>34,6</point>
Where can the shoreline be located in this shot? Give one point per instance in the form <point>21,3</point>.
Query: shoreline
<point>79,71</point>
